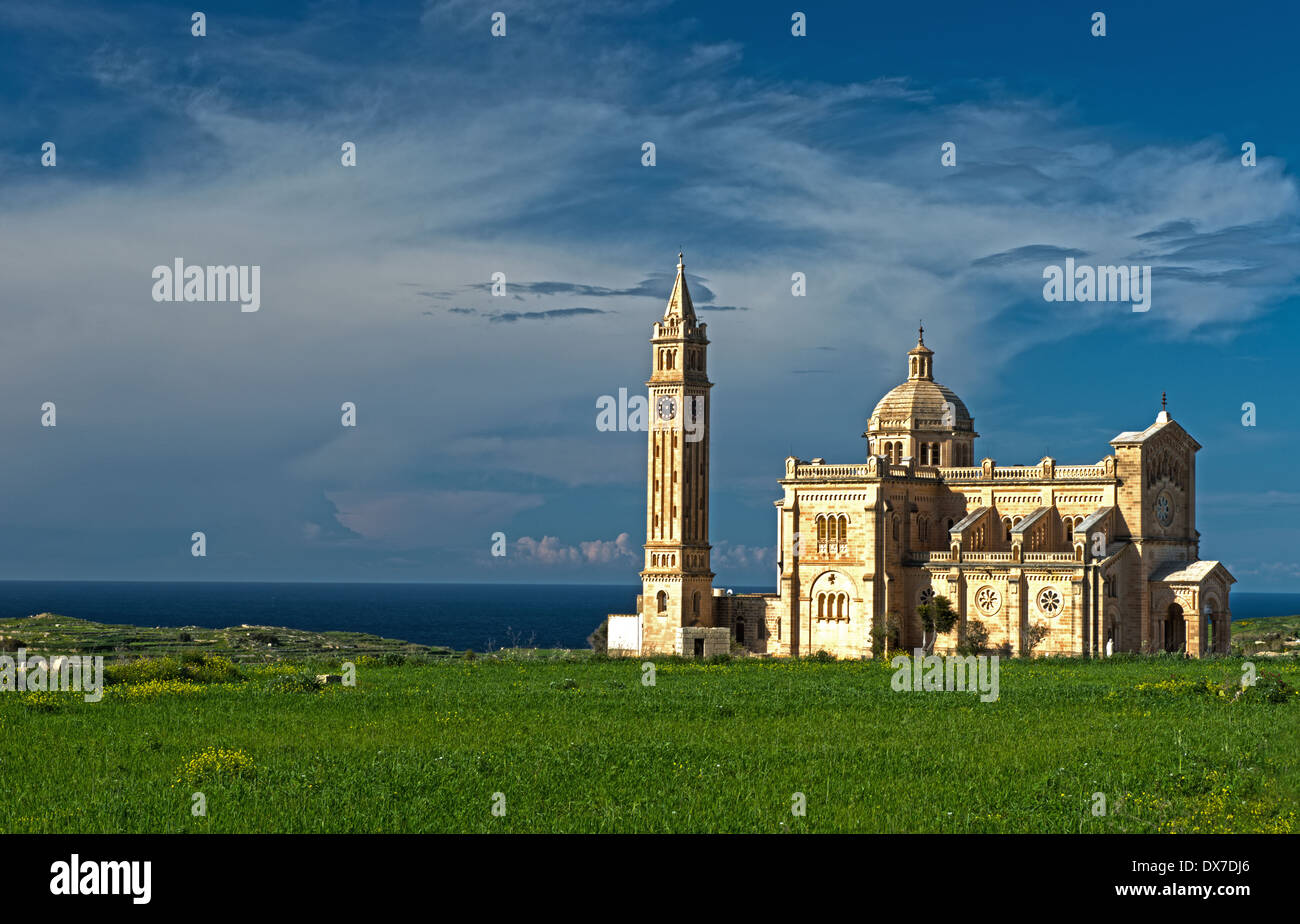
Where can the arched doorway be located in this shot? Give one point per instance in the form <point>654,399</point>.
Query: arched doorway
<point>1175,629</point>
<point>1214,639</point>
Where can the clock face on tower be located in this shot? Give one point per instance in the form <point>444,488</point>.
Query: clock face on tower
<point>1164,508</point>
<point>667,408</point>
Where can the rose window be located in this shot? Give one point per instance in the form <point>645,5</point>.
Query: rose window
<point>988,600</point>
<point>927,596</point>
<point>1049,601</point>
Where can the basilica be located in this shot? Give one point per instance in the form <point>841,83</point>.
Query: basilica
<point>1046,558</point>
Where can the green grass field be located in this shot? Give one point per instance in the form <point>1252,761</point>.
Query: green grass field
<point>582,745</point>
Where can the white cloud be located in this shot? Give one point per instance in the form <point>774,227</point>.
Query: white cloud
<point>549,550</point>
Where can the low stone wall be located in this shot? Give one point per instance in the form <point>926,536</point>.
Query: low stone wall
<point>711,641</point>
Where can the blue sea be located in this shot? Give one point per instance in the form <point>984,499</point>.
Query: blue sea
<point>478,616</point>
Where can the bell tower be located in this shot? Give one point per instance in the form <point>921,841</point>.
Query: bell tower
<point>677,582</point>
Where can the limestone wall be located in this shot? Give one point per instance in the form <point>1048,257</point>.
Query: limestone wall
<point>624,635</point>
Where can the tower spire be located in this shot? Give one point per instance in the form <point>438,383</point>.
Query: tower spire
<point>679,302</point>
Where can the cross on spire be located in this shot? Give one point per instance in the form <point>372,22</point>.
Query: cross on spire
<point>1163,405</point>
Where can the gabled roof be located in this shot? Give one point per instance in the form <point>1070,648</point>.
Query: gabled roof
<point>1027,522</point>
<point>968,520</point>
<point>1190,572</point>
<point>1163,421</point>
<point>1093,519</point>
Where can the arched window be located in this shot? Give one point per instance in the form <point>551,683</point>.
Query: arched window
<point>695,605</point>
<point>936,455</point>
<point>841,606</point>
<point>662,598</point>
<point>821,606</point>
<point>1006,522</point>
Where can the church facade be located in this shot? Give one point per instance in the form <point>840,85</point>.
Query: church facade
<point>1049,558</point>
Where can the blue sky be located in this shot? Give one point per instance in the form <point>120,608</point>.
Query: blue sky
<point>522,154</point>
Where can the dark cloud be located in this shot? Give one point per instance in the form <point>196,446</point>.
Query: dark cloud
<point>509,317</point>
<point>655,286</point>
<point>1031,253</point>
<point>1180,228</point>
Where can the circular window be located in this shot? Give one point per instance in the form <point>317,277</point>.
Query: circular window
<point>988,600</point>
<point>1164,509</point>
<point>926,596</point>
<point>1049,601</point>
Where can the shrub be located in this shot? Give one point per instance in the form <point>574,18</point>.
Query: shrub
<point>392,659</point>
<point>1035,636</point>
<point>1269,687</point>
<point>599,638</point>
<point>11,644</point>
<point>469,654</point>
<point>823,657</point>
<point>43,700</point>
<point>293,683</point>
<point>718,659</point>
<point>192,666</point>
<point>265,638</point>
<point>976,638</point>
<point>151,689</point>
<point>213,764</point>
<point>185,638</point>
<point>212,669</point>
<point>142,670</point>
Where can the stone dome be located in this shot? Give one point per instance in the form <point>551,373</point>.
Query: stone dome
<point>919,404</point>
<point>921,419</point>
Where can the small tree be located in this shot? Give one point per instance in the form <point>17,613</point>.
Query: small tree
<point>1034,636</point>
<point>976,638</point>
<point>885,634</point>
<point>937,617</point>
